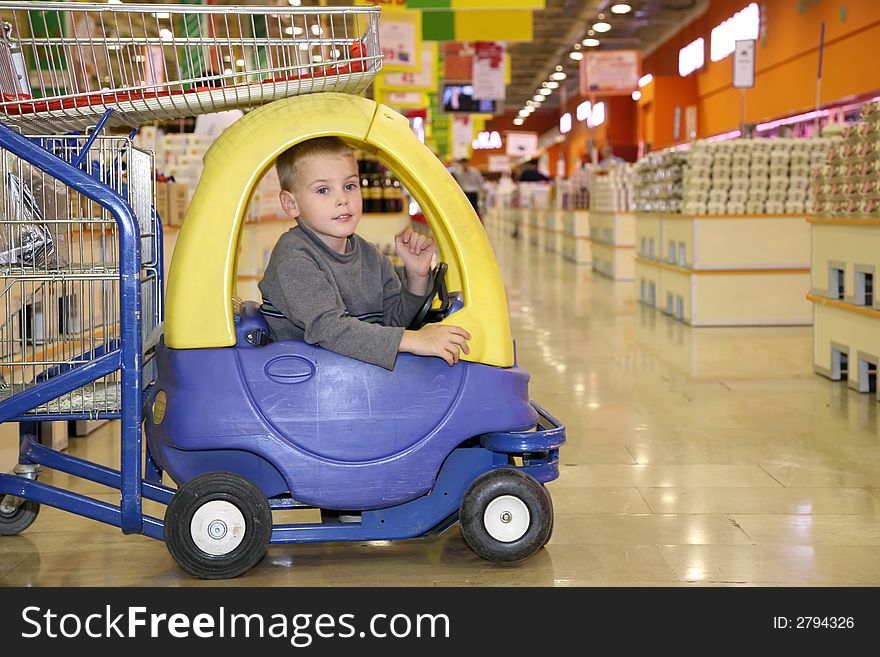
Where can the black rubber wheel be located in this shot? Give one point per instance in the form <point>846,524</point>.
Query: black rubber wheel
<point>218,526</point>
<point>506,515</point>
<point>12,524</point>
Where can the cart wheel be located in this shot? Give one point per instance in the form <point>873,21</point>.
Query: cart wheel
<point>218,525</point>
<point>16,521</point>
<point>506,515</point>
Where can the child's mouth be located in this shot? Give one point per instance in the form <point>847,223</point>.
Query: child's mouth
<point>342,217</point>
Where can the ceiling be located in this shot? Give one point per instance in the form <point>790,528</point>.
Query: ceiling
<point>564,23</point>
<point>560,25</point>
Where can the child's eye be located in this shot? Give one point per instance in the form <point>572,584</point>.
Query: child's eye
<point>322,190</point>
<point>351,187</point>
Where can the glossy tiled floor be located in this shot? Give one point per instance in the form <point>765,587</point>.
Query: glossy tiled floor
<point>694,457</point>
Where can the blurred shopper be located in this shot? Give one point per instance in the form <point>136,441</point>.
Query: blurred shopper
<point>471,181</point>
<point>529,173</point>
<point>609,158</point>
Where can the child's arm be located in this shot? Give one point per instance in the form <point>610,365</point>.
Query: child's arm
<point>441,340</point>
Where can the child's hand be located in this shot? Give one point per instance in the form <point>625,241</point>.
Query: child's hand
<point>441,340</point>
<point>416,250</point>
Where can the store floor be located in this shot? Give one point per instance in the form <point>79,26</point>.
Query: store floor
<point>694,457</point>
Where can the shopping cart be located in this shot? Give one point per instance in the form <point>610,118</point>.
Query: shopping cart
<point>244,426</point>
<point>80,240</point>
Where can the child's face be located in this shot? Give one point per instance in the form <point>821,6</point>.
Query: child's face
<point>327,198</point>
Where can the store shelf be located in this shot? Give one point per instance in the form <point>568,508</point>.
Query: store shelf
<point>612,235</point>
<point>725,270</point>
<point>846,311</point>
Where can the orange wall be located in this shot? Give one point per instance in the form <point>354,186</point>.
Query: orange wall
<point>657,104</point>
<point>786,60</point>
<point>618,130</point>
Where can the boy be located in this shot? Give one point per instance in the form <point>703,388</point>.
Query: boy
<point>330,287</point>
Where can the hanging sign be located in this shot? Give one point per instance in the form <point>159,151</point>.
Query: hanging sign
<point>488,70</point>
<point>404,98</point>
<point>744,64</point>
<point>400,38</point>
<point>610,72</point>
<point>522,144</point>
<point>423,79</point>
<point>462,136</point>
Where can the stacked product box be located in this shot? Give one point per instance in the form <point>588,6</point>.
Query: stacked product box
<point>752,176</point>
<point>574,221</point>
<point>658,181</point>
<point>612,189</point>
<point>849,183</point>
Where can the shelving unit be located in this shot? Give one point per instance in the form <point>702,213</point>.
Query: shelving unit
<point>613,244</point>
<point>846,311</point>
<point>725,270</point>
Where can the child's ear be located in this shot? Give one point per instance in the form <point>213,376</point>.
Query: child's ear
<point>288,203</point>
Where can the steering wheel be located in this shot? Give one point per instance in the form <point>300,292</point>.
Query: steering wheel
<point>438,288</point>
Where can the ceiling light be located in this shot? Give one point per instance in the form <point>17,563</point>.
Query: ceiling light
<point>162,15</point>
<point>576,55</point>
<point>553,84</point>
<point>590,42</point>
<point>601,27</point>
<point>645,80</point>
<point>529,103</point>
<point>294,3</point>
<point>545,92</point>
<point>621,8</point>
<point>558,75</point>
<point>538,98</point>
<point>522,112</point>
<point>518,121</point>
<point>165,34</point>
<point>636,94</point>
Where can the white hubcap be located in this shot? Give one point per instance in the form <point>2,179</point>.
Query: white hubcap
<point>217,527</point>
<point>506,518</point>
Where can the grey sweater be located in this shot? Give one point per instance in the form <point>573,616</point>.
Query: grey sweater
<point>353,303</point>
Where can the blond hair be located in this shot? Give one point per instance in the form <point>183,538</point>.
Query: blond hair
<point>287,162</point>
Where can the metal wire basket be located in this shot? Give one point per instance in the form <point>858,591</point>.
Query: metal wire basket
<point>59,271</point>
<point>63,64</point>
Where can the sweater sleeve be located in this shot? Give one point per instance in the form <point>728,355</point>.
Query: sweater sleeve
<point>311,301</point>
<point>399,305</point>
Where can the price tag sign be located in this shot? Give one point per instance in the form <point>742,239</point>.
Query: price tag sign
<point>744,64</point>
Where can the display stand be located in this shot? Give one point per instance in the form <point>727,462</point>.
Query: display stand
<point>576,243</point>
<point>613,244</point>
<point>846,311</point>
<point>725,270</point>
<point>553,231</point>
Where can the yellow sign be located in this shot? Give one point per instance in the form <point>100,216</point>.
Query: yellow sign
<point>424,79</point>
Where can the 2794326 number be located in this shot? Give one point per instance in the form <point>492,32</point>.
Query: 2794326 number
<point>824,622</point>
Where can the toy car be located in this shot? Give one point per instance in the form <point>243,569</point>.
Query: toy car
<point>246,426</point>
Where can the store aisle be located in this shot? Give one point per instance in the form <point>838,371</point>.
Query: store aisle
<point>694,457</point>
